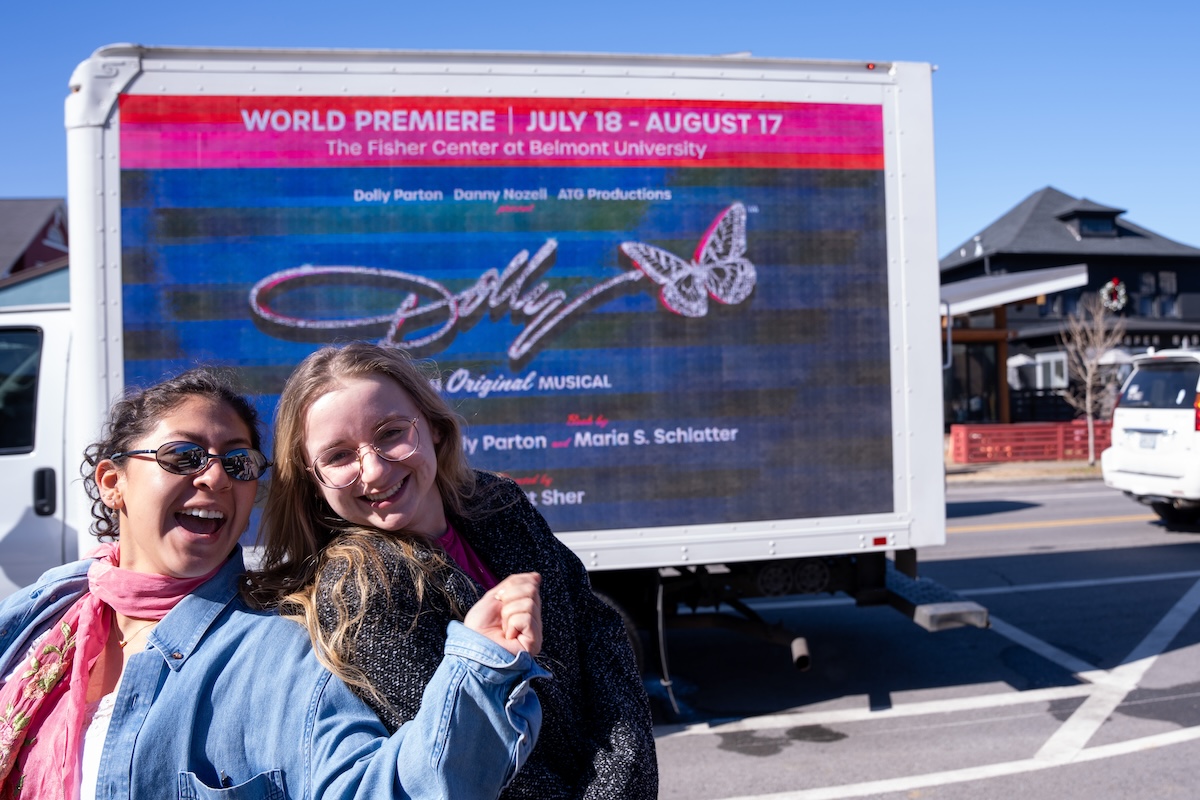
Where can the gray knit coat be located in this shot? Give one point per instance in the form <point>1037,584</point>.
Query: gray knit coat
<point>596,739</point>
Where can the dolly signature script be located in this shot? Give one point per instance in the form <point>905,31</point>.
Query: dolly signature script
<point>718,270</point>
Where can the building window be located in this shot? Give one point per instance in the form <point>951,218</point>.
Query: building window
<point>1168,295</point>
<point>970,387</point>
<point>1090,225</point>
<point>1157,295</point>
<point>1051,307</point>
<point>1070,301</point>
<point>1051,370</point>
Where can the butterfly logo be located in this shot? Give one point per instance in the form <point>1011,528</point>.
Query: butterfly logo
<point>718,269</point>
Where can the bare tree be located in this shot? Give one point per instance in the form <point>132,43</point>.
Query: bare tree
<point>1090,332</point>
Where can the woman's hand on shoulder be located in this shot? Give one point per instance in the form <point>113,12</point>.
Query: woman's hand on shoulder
<point>511,614</point>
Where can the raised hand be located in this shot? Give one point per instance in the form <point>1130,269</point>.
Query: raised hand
<point>511,614</point>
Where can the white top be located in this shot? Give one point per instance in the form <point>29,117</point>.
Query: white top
<point>95,729</point>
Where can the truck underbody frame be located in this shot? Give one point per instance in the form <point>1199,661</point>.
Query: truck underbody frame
<point>652,601</point>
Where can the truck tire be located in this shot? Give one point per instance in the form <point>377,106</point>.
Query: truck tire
<point>1175,516</point>
<point>635,639</point>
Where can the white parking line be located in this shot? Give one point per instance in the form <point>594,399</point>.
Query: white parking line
<point>1041,524</point>
<point>820,601</point>
<point>1077,666</point>
<point>1088,584</point>
<point>1074,734</point>
<point>933,779</point>
<point>842,716</point>
<point>1066,746</point>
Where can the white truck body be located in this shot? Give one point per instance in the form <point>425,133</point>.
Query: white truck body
<point>690,303</point>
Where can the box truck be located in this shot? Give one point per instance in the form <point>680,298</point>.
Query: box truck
<point>690,304</point>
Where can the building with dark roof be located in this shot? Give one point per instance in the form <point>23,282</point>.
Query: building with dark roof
<point>33,232</point>
<point>1007,361</point>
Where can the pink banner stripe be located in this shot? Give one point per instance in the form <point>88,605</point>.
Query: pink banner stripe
<point>167,133</point>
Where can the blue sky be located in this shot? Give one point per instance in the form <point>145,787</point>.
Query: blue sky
<point>1099,99</point>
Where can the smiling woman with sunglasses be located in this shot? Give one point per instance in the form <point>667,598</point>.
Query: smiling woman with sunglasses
<point>188,458</point>
<point>140,671</point>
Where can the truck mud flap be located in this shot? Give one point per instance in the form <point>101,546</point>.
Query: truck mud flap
<point>931,605</point>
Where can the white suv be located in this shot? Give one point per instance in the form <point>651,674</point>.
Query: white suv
<point>1155,453</point>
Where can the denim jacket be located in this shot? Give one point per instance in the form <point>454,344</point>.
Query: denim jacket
<point>230,703</point>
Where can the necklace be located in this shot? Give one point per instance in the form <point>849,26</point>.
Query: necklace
<point>122,642</point>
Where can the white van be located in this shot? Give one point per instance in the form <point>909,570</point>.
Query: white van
<point>1155,453</point>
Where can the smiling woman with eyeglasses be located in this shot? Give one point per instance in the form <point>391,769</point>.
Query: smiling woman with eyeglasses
<point>379,534</point>
<point>141,672</point>
<point>339,466</point>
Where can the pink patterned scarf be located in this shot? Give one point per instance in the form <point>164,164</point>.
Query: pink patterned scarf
<point>42,715</point>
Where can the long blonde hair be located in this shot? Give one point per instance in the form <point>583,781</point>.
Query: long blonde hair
<point>302,535</point>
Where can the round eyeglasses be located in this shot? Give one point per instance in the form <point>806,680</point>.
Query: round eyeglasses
<point>188,458</point>
<point>338,467</point>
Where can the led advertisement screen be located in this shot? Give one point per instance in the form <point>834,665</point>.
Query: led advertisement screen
<point>648,312</point>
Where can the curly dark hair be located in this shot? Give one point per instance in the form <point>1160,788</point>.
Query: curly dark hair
<point>135,415</point>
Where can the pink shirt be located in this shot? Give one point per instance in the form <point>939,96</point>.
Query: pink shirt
<point>457,548</point>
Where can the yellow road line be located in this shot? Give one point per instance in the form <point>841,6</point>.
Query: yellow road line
<point>1059,523</point>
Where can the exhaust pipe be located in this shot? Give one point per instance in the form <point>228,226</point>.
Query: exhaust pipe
<point>800,657</point>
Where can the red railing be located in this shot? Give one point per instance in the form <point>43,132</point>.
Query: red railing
<point>1025,441</point>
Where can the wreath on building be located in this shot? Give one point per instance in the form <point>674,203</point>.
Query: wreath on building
<point>1113,295</point>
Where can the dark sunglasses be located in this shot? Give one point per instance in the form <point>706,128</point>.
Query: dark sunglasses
<point>188,458</point>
